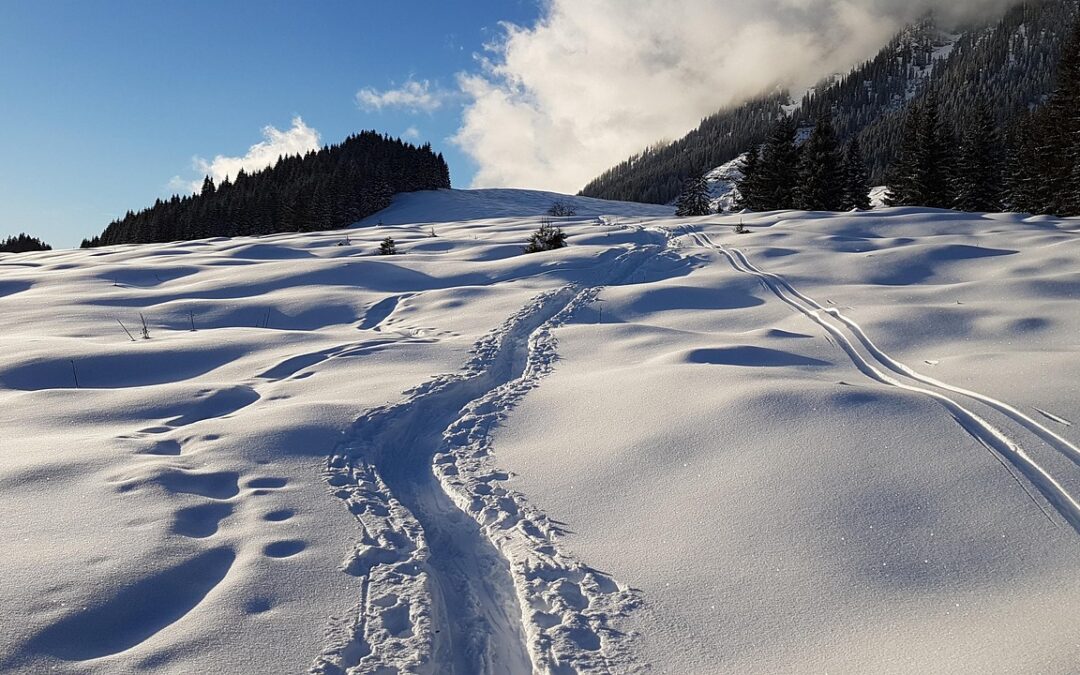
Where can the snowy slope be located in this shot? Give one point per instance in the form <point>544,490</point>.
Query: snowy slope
<point>723,184</point>
<point>837,443</point>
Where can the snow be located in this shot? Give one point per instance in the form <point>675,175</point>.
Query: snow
<point>839,443</point>
<point>723,184</point>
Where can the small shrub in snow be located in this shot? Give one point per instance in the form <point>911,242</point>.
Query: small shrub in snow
<point>388,247</point>
<point>145,328</point>
<point>560,209</point>
<point>547,238</point>
<point>741,229</point>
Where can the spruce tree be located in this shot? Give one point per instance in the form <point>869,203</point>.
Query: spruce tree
<point>937,151</point>
<point>749,184</point>
<point>979,165</point>
<point>1065,133</point>
<point>779,166</point>
<point>820,178</point>
<point>694,200</point>
<point>856,179</point>
<point>922,174</point>
<point>905,188</point>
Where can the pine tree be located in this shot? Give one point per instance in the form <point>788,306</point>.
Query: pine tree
<point>749,185</point>
<point>905,189</point>
<point>547,238</point>
<point>388,247</point>
<point>694,199</point>
<point>922,173</point>
<point>979,165</point>
<point>936,156</point>
<point>856,179</point>
<point>779,166</point>
<point>820,178</point>
<point>1065,113</point>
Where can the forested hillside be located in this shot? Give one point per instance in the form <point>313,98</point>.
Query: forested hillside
<point>333,187</point>
<point>1010,62</point>
<point>22,244</point>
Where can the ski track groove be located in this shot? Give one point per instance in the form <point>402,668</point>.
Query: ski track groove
<point>413,473</point>
<point>1009,452</point>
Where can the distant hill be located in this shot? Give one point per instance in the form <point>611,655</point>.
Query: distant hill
<point>1010,62</point>
<point>325,189</point>
<point>465,205</point>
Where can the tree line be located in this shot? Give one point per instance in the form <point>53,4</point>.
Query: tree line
<point>1031,164</point>
<point>819,174</point>
<point>325,189</point>
<point>23,243</point>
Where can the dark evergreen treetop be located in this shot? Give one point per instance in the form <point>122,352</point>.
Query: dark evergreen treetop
<point>22,244</point>
<point>856,179</point>
<point>325,189</point>
<point>779,166</point>
<point>821,177</point>
<point>694,199</point>
<point>979,165</point>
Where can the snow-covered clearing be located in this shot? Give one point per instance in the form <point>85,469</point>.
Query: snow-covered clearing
<point>834,444</point>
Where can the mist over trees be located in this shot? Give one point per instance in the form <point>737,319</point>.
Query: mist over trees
<point>325,189</point>
<point>999,69</point>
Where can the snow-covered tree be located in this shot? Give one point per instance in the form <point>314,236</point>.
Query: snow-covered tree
<point>547,238</point>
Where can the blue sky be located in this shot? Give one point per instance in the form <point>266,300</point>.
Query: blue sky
<point>104,103</point>
<point>107,106</point>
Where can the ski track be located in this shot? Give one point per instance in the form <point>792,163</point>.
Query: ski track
<point>1008,451</point>
<point>459,574</point>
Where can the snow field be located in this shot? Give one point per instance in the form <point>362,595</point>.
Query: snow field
<point>838,443</point>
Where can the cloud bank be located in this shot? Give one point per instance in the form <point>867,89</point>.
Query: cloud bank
<point>594,81</point>
<point>297,140</point>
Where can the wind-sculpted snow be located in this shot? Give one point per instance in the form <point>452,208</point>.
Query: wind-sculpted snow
<point>839,443</point>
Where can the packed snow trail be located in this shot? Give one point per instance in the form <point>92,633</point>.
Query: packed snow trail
<point>458,574</point>
<point>982,430</point>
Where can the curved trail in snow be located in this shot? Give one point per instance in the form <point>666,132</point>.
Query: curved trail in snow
<point>1005,448</point>
<point>459,575</point>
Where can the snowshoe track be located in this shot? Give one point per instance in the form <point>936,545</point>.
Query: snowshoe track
<point>459,574</point>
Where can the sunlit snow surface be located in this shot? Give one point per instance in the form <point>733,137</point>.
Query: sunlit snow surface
<point>834,444</point>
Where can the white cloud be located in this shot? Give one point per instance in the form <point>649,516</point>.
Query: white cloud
<point>594,81</point>
<point>411,134</point>
<point>297,140</point>
<point>413,96</point>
